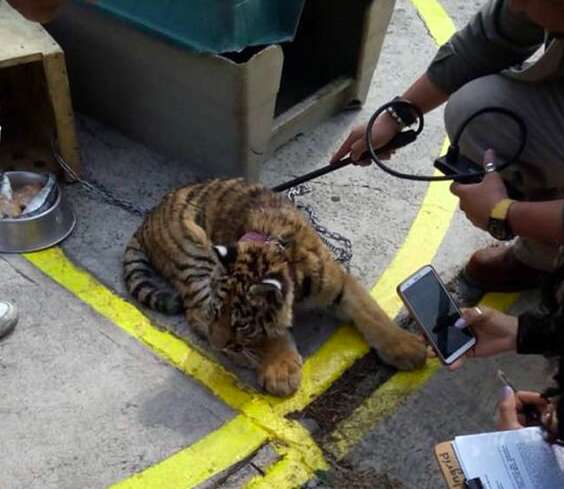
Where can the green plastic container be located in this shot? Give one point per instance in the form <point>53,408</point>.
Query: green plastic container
<point>210,26</point>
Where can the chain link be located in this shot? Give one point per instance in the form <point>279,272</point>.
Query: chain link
<point>342,253</point>
<point>96,189</point>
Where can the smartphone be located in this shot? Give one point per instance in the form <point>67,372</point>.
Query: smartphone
<point>434,310</point>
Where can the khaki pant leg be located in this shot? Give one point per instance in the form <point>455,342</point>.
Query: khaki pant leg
<point>539,175</point>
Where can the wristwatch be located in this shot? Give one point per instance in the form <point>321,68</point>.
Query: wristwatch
<point>498,226</point>
<point>401,113</point>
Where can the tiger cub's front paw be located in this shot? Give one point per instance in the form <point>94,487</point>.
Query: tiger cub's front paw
<point>404,351</point>
<point>281,374</point>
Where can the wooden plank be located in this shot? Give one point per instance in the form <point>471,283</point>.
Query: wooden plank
<point>27,119</point>
<point>318,107</point>
<point>449,465</point>
<point>60,98</point>
<point>35,103</point>
<point>28,58</point>
<point>21,39</point>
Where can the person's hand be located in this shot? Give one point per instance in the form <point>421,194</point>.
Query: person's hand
<point>383,130</point>
<point>495,333</point>
<point>512,405</point>
<point>478,199</point>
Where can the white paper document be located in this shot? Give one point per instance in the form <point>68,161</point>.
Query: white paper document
<point>518,459</point>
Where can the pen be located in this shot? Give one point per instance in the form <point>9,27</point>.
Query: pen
<point>531,413</point>
<point>504,380</point>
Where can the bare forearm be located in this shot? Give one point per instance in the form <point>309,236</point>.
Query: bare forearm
<point>425,94</point>
<point>540,221</point>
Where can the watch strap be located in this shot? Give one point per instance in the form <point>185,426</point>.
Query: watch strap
<point>401,113</point>
<point>501,209</point>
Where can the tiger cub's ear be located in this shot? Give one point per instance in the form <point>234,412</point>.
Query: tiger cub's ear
<point>268,287</point>
<point>226,254</point>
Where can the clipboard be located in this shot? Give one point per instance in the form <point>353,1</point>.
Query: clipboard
<point>451,470</point>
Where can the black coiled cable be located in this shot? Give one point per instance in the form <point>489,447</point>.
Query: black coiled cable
<point>408,136</point>
<point>453,151</point>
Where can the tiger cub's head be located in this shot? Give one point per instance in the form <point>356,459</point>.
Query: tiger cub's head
<point>256,294</point>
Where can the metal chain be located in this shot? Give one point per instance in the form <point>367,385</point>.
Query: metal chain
<point>96,189</point>
<point>343,252</point>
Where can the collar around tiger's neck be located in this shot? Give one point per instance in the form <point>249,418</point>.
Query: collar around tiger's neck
<point>261,238</point>
<point>255,236</point>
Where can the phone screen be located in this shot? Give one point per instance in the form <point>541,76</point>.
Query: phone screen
<point>437,313</point>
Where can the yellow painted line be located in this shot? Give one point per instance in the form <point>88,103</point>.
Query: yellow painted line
<point>422,242</point>
<point>231,444</point>
<point>217,451</point>
<point>290,433</point>
<point>436,19</point>
<point>385,400</point>
<point>195,464</point>
<point>261,417</point>
<point>301,456</point>
<point>288,473</point>
<point>501,302</point>
<point>346,346</point>
<point>222,383</point>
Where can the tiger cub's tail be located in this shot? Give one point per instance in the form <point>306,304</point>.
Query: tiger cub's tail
<point>144,284</point>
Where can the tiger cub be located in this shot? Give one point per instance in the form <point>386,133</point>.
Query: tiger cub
<point>239,257</point>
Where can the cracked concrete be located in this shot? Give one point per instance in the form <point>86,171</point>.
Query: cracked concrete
<point>83,405</point>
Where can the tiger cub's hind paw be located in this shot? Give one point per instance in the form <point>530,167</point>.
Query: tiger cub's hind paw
<point>406,352</point>
<point>281,375</point>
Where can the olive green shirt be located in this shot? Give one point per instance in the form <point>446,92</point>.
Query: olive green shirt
<point>496,40</point>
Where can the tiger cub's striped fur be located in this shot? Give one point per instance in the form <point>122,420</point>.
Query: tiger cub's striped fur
<point>238,257</point>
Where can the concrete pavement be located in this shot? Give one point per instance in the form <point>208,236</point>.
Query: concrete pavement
<point>84,404</point>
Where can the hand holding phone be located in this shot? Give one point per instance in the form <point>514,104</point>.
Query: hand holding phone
<point>495,332</point>
<point>434,310</point>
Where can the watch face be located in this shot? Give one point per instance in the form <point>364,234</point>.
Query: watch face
<point>498,229</point>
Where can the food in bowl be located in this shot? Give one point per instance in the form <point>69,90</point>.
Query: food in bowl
<point>27,199</point>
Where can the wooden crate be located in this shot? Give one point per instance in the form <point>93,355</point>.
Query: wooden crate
<point>224,114</point>
<point>35,104</point>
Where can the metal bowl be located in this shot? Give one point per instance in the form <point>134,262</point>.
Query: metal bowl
<point>40,231</point>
